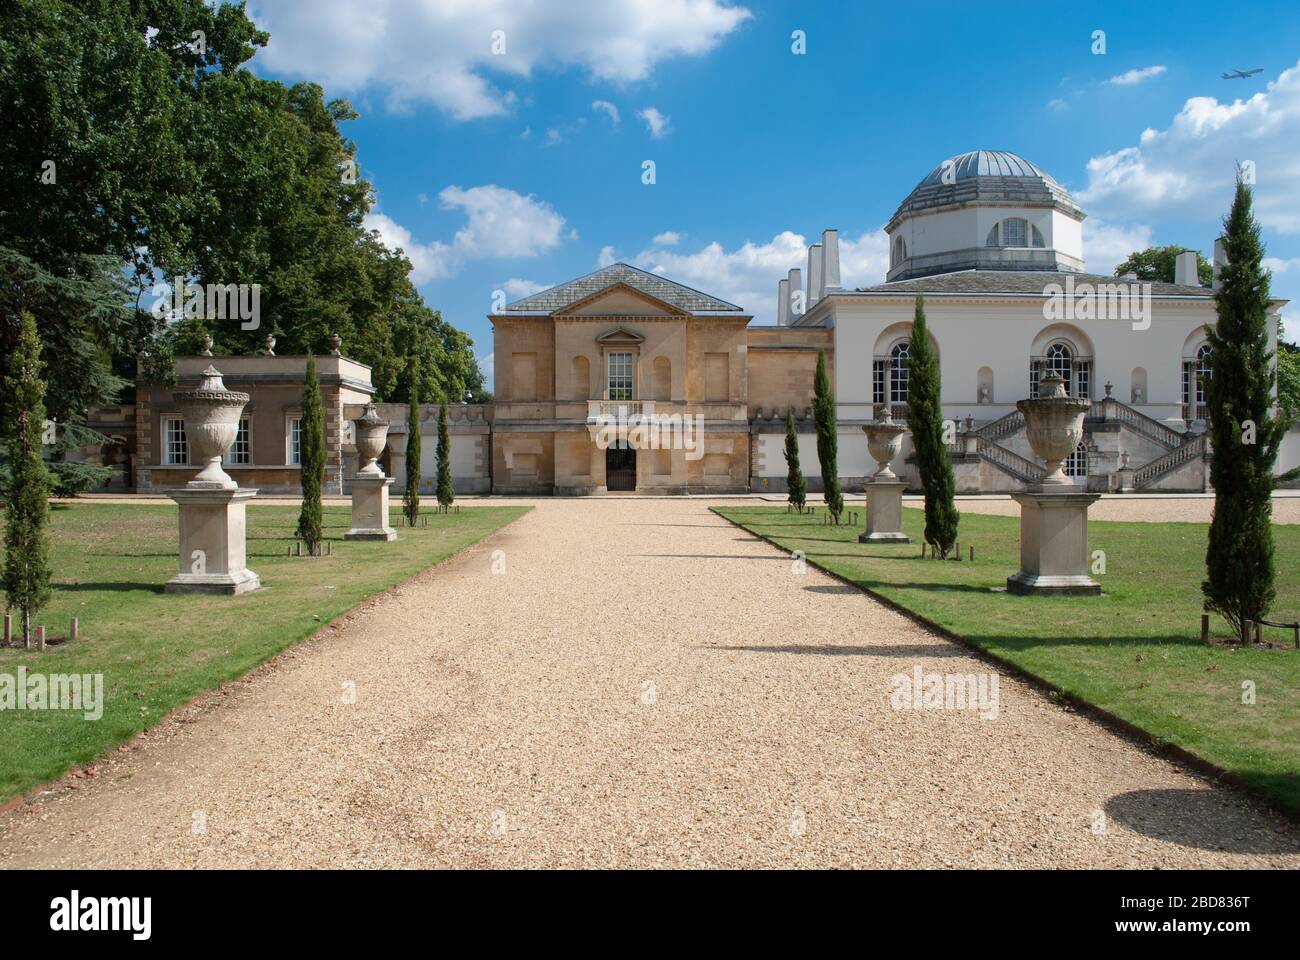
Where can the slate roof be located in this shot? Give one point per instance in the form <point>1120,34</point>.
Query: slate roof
<point>986,176</point>
<point>661,288</point>
<point>1018,281</point>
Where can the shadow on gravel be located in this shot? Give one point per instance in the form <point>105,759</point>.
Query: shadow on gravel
<point>924,650</point>
<point>1204,819</point>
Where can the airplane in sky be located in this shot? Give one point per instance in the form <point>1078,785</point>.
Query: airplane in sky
<point>1242,74</point>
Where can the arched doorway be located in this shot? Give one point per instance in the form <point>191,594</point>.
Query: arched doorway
<point>620,467</point>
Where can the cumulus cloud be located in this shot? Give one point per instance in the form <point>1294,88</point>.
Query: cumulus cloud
<point>488,366</point>
<point>657,122</point>
<point>1187,170</point>
<point>517,289</point>
<point>500,223</point>
<point>1107,244</point>
<point>669,238</point>
<point>606,256</point>
<point>459,56</point>
<point>1133,77</point>
<point>607,108</point>
<point>747,276</point>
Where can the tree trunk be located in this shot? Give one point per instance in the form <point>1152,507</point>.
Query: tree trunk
<point>27,627</point>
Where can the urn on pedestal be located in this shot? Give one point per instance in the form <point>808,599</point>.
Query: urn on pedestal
<point>212,517</point>
<point>884,490</point>
<point>370,485</point>
<point>1053,513</point>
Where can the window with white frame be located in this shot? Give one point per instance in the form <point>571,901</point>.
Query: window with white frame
<point>878,381</point>
<point>175,449</point>
<point>1062,360</point>
<point>899,372</point>
<point>1014,232</point>
<point>620,376</point>
<point>240,453</point>
<point>293,441</point>
<point>1077,463</point>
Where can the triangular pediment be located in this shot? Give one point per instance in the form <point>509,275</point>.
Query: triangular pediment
<point>620,335</point>
<point>621,300</point>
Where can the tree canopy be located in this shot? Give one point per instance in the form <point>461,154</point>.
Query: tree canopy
<point>1158,264</point>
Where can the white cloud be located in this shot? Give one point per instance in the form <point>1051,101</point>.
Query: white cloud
<point>1107,244</point>
<point>606,256</point>
<point>669,238</point>
<point>748,275</point>
<point>1056,103</point>
<point>1187,170</point>
<point>517,289</point>
<point>656,121</point>
<point>553,137</point>
<point>488,366</point>
<point>500,223</point>
<point>605,107</point>
<point>1134,77</point>
<point>442,51</point>
<point>1282,266</point>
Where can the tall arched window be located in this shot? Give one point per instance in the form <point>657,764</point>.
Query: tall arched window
<point>899,372</point>
<point>1077,464</point>
<point>1062,359</point>
<point>1195,373</point>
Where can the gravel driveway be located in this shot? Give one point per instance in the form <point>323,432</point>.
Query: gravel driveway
<point>641,684</point>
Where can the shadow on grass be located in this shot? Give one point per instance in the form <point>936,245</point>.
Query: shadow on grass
<point>899,650</point>
<point>1000,642</point>
<point>113,585</point>
<point>1203,819</point>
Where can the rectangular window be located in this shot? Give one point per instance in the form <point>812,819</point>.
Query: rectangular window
<point>878,381</point>
<point>620,376</point>
<point>294,438</point>
<point>175,449</point>
<point>1013,232</point>
<point>1083,379</point>
<point>240,453</point>
<point>1035,373</point>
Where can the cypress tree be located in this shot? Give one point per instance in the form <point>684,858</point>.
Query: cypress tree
<point>925,417</point>
<point>794,482</point>
<point>411,498</point>
<point>1245,436</point>
<point>824,420</point>
<point>445,492</point>
<point>27,547</point>
<point>312,457</point>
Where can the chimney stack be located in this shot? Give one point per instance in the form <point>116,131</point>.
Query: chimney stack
<point>814,276</point>
<point>830,261</point>
<point>1185,272</point>
<point>783,303</point>
<point>794,292</point>
<point>1220,260</point>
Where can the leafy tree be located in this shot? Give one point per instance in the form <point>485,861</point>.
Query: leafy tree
<point>27,548</point>
<point>794,481</point>
<point>824,420</point>
<point>1288,377</point>
<point>1245,436</point>
<point>445,492</point>
<point>411,498</point>
<point>312,457</point>
<point>925,418</point>
<point>1159,264</point>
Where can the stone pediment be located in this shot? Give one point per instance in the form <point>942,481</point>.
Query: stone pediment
<point>620,299</point>
<point>620,335</point>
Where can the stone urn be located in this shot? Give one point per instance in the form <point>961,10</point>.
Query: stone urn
<point>1054,426</point>
<point>884,441</point>
<point>211,414</point>
<point>371,434</point>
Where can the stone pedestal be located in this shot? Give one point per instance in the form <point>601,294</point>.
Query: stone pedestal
<point>884,512</point>
<point>212,542</point>
<point>1054,545</point>
<point>370,509</point>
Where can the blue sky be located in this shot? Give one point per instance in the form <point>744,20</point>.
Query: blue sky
<point>518,169</point>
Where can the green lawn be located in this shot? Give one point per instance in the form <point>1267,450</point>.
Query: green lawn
<point>157,651</point>
<point>1134,652</point>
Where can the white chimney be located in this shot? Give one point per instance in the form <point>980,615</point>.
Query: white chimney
<point>1220,260</point>
<point>830,260</point>
<point>814,276</point>
<point>783,303</point>
<point>1185,272</point>
<point>794,292</point>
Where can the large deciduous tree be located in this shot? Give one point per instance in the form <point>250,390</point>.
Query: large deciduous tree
<point>824,420</point>
<point>1159,264</point>
<point>27,550</point>
<point>1246,437</point>
<point>925,417</point>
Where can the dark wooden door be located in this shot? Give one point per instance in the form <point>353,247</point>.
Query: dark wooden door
<point>620,468</point>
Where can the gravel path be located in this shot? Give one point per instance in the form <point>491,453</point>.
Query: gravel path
<point>643,685</point>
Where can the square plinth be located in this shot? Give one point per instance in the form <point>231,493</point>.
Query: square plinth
<point>1054,545</point>
<point>370,509</point>
<point>884,512</point>
<point>212,548</point>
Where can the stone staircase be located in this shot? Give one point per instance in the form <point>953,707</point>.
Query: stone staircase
<point>1147,474</point>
